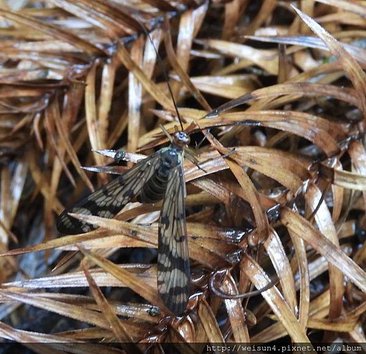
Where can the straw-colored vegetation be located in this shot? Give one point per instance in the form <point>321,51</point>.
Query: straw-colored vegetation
<point>277,91</point>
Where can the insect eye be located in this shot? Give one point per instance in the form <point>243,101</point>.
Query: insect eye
<point>120,156</point>
<point>182,137</point>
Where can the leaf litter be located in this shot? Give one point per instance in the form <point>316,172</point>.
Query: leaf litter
<point>286,130</point>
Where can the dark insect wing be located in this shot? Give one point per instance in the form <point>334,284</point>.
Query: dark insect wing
<point>173,258</point>
<point>109,199</point>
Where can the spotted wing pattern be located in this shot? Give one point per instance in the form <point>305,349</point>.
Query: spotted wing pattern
<point>173,258</point>
<point>110,199</point>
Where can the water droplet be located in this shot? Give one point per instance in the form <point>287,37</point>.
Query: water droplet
<point>236,236</point>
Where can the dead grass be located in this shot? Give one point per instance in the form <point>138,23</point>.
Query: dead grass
<point>280,193</point>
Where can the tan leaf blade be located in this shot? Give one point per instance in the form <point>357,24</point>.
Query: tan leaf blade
<point>302,228</point>
<point>133,282</point>
<point>115,323</point>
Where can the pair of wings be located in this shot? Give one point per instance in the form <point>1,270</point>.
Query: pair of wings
<point>173,258</point>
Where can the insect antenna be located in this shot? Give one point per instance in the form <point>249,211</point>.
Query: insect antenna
<point>166,78</point>
<point>189,154</point>
<point>200,99</point>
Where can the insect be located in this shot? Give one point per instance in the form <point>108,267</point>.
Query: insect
<point>158,177</point>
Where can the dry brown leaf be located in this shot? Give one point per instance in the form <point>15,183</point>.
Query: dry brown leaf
<point>115,323</point>
<point>302,228</point>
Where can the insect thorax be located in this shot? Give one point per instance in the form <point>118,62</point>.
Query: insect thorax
<point>154,189</point>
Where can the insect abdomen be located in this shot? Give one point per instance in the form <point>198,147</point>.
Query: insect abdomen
<point>154,189</point>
